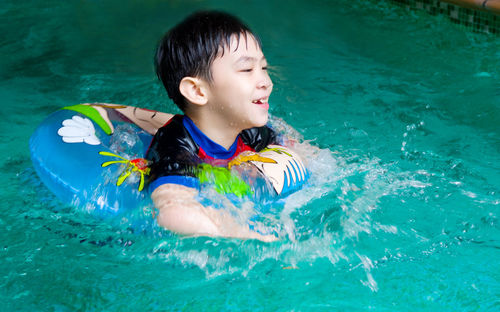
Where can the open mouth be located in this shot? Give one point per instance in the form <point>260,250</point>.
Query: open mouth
<point>260,101</point>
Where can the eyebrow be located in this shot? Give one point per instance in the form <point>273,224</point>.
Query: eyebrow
<point>245,59</point>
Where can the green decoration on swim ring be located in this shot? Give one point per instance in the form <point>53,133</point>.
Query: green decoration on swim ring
<point>223,180</point>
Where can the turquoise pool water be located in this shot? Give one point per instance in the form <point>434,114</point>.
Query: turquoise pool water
<point>402,111</point>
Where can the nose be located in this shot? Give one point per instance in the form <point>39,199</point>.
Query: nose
<point>264,81</point>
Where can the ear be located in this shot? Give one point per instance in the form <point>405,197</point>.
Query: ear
<point>194,90</point>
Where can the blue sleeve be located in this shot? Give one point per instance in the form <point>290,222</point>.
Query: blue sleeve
<point>175,179</point>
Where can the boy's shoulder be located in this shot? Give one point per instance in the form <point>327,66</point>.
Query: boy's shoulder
<point>258,138</point>
<point>172,138</point>
<point>172,129</point>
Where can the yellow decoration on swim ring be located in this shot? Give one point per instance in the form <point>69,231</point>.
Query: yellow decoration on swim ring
<point>139,165</point>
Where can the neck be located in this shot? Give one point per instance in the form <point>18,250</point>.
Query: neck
<point>215,128</point>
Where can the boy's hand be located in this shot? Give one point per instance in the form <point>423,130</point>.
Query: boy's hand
<point>265,238</point>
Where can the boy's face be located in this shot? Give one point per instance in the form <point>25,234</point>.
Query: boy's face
<point>240,87</point>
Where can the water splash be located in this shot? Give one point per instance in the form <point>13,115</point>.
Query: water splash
<point>333,218</point>
<point>126,142</point>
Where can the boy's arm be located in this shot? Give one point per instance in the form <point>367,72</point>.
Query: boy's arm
<point>180,212</point>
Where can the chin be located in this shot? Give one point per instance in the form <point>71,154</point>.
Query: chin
<point>261,121</point>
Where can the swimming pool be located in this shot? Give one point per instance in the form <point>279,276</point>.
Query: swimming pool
<point>403,110</point>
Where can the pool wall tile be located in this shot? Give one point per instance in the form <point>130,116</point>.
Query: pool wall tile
<point>474,20</point>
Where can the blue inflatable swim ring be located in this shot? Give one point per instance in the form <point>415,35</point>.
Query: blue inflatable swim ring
<point>90,156</point>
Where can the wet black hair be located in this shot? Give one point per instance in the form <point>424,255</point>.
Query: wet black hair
<point>189,49</point>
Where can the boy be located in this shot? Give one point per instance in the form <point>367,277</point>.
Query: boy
<point>213,68</point>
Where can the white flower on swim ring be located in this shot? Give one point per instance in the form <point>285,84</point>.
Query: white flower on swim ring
<point>78,130</point>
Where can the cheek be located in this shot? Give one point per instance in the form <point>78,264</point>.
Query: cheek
<point>224,84</point>
<point>236,88</point>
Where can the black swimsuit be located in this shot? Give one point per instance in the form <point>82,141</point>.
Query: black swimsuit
<point>179,147</point>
